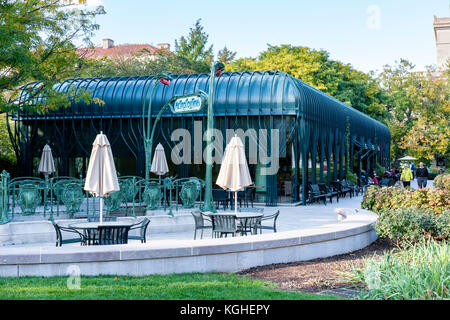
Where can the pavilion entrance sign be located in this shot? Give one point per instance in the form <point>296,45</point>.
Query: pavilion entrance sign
<point>189,103</point>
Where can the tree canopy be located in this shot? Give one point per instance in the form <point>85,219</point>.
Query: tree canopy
<point>342,81</point>
<point>37,43</point>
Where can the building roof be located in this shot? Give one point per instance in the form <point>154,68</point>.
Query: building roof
<point>116,51</point>
<point>236,94</point>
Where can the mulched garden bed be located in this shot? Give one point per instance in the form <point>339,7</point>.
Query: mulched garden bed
<point>319,275</point>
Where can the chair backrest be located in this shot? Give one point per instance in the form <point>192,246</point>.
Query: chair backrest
<point>223,222</point>
<point>315,188</point>
<point>112,234</point>
<point>219,194</point>
<point>145,223</point>
<point>272,216</point>
<point>260,210</point>
<point>58,233</point>
<point>198,219</point>
<point>97,218</point>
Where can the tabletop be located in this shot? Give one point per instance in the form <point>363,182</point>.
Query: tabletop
<point>239,215</point>
<point>94,225</point>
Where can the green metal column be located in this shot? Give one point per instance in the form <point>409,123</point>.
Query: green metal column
<point>216,70</point>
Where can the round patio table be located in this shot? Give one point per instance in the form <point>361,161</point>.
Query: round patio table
<point>90,229</point>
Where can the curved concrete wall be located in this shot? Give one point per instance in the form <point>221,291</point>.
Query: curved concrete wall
<point>179,256</point>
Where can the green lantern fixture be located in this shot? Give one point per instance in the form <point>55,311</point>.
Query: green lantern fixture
<point>164,78</point>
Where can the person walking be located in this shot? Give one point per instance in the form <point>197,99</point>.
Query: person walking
<point>412,166</point>
<point>422,176</point>
<point>406,176</point>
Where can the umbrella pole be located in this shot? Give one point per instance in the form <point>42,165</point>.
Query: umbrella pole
<point>235,202</point>
<point>101,210</point>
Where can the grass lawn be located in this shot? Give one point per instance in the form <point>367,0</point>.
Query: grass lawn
<point>196,286</point>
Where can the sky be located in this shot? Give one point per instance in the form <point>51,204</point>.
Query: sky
<point>366,34</point>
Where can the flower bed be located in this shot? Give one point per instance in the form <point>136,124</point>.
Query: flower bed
<point>379,199</point>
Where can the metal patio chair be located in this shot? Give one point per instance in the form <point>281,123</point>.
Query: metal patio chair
<point>108,235</point>
<point>269,217</point>
<point>59,239</point>
<point>199,219</point>
<point>142,226</point>
<point>223,225</point>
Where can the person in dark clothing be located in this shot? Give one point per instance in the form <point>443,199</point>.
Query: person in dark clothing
<point>422,176</point>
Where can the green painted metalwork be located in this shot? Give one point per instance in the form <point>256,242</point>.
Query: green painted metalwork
<point>152,195</point>
<point>113,201</point>
<point>216,70</point>
<point>163,78</point>
<point>313,123</point>
<point>71,195</point>
<point>28,198</point>
<point>4,197</point>
<point>189,193</point>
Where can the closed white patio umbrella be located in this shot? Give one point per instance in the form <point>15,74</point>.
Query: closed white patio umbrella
<point>159,163</point>
<point>234,173</point>
<point>101,177</point>
<point>46,165</point>
<point>407,158</point>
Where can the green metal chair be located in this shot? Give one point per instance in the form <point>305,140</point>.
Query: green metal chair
<point>59,239</point>
<point>273,227</point>
<point>199,219</point>
<point>142,225</point>
<point>109,235</point>
<point>223,225</point>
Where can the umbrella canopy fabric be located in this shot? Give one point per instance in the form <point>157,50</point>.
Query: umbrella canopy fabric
<point>47,165</point>
<point>234,173</point>
<point>407,158</point>
<point>101,177</point>
<point>159,163</point>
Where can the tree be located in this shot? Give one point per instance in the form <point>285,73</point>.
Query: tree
<point>342,81</point>
<point>37,44</point>
<point>419,110</point>
<point>137,65</point>
<point>194,48</point>
<point>226,56</point>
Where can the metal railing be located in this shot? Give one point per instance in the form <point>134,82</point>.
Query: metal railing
<point>66,197</point>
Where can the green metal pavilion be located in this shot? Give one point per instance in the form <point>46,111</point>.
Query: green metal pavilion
<point>316,130</point>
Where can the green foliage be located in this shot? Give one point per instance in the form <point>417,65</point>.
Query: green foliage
<point>6,149</point>
<point>137,65</point>
<point>418,105</point>
<point>194,48</point>
<point>420,272</point>
<point>379,170</point>
<point>342,81</point>
<point>226,56</point>
<point>351,177</point>
<point>412,224</point>
<point>390,198</point>
<point>37,44</point>
<point>442,181</point>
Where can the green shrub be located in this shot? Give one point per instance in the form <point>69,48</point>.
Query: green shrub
<point>350,176</point>
<point>379,199</point>
<point>412,224</point>
<point>420,272</point>
<point>442,181</point>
